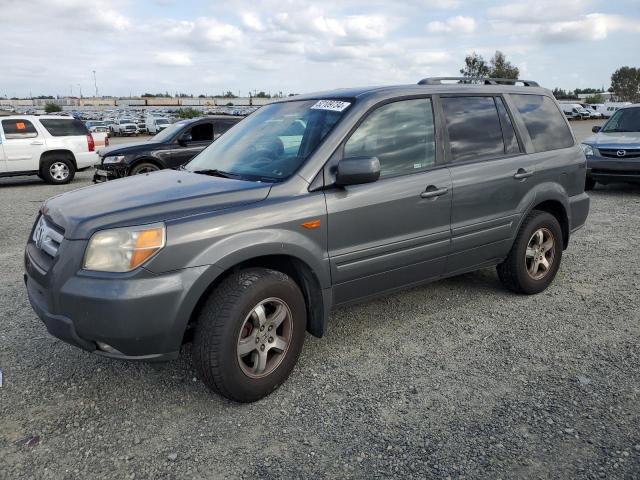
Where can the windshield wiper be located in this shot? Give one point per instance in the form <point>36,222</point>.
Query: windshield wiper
<point>215,173</point>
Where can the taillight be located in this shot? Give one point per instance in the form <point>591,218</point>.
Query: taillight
<point>91,143</point>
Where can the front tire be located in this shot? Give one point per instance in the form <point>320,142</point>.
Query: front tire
<point>58,170</point>
<point>249,334</point>
<point>144,167</point>
<point>535,256</point>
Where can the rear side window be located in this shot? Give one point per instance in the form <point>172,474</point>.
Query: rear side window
<point>18,128</point>
<point>474,128</point>
<point>222,126</point>
<point>59,127</point>
<point>400,134</point>
<point>202,132</point>
<point>544,121</point>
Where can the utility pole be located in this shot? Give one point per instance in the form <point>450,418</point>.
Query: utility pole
<point>95,83</point>
<point>80,89</point>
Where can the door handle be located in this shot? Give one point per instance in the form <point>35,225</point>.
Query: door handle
<point>521,174</point>
<point>37,143</point>
<point>433,192</point>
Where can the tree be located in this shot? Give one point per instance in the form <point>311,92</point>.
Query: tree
<point>474,66</point>
<point>228,94</point>
<point>499,67</point>
<point>262,94</point>
<point>596,98</point>
<point>625,83</point>
<point>51,107</point>
<point>189,113</point>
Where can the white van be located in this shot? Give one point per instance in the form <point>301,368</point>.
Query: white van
<point>609,108</point>
<point>571,111</point>
<point>156,124</point>
<point>51,146</point>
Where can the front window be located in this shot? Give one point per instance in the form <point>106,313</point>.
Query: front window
<point>168,132</point>
<point>624,120</point>
<point>272,143</point>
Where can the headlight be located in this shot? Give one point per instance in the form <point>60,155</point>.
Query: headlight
<point>114,159</point>
<point>123,249</point>
<point>587,149</point>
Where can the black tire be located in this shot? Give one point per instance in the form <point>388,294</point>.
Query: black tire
<point>514,273</point>
<point>589,184</point>
<point>221,320</point>
<point>144,167</point>
<point>57,170</point>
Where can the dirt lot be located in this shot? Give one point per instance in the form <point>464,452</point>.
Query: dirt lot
<point>456,379</point>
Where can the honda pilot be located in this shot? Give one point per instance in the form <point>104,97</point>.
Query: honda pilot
<point>310,203</point>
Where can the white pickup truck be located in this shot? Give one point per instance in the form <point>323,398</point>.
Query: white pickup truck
<point>52,147</point>
<point>124,127</point>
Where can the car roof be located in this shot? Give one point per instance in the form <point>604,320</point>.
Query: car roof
<point>391,91</point>
<point>38,117</point>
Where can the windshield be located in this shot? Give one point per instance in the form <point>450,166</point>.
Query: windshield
<point>168,132</point>
<point>624,120</point>
<point>273,142</point>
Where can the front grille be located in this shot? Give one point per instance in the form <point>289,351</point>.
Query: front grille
<point>47,237</point>
<point>619,173</point>
<point>613,153</point>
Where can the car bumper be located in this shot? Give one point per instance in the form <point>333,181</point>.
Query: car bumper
<point>105,173</point>
<point>608,170</point>
<point>579,210</point>
<point>135,316</point>
<point>86,159</point>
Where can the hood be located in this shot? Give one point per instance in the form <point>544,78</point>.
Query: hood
<point>142,199</point>
<point>129,148</point>
<point>614,140</point>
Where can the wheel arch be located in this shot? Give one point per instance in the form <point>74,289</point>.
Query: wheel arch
<point>146,159</point>
<point>316,301</point>
<point>58,151</point>
<point>559,211</point>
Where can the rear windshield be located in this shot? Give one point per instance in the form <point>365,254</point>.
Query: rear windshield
<point>59,127</point>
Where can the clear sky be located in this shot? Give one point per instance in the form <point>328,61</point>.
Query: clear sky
<point>135,46</point>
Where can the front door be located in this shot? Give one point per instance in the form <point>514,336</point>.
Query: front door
<point>190,143</point>
<point>22,144</point>
<point>395,231</point>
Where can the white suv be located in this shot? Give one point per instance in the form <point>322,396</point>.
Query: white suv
<point>52,147</point>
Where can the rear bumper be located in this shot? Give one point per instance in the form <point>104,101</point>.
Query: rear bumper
<point>608,170</point>
<point>579,210</point>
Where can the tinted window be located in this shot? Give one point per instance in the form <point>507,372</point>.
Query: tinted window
<point>400,134</point>
<point>202,132</point>
<point>474,128</point>
<point>222,126</point>
<point>546,125</point>
<point>64,128</point>
<point>508,133</point>
<point>18,129</point>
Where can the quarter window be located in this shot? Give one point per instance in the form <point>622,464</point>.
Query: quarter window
<point>400,134</point>
<point>62,127</point>
<point>508,133</point>
<point>544,121</point>
<point>474,128</point>
<point>18,128</point>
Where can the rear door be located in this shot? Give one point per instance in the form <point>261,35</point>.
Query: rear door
<point>395,231</point>
<point>491,175</point>
<point>23,145</point>
<point>191,142</point>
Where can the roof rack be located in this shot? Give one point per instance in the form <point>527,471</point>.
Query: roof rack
<point>485,81</point>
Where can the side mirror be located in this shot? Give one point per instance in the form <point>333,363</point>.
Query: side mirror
<point>357,170</point>
<point>184,139</point>
<point>596,129</point>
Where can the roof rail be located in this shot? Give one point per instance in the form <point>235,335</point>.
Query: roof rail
<point>485,81</point>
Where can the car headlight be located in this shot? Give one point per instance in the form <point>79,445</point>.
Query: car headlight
<point>114,159</point>
<point>587,149</point>
<point>123,249</point>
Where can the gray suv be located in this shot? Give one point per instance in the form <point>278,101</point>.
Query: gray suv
<point>309,203</point>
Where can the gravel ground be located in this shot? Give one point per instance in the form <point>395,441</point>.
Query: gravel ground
<point>456,379</point>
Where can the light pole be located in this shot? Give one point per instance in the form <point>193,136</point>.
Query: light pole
<point>80,89</point>
<point>95,83</point>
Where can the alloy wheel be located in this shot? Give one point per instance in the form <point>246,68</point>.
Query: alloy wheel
<point>540,253</point>
<point>59,171</point>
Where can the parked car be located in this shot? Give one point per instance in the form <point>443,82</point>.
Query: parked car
<point>252,244</point>
<point>613,153</point>
<point>170,148</point>
<point>53,147</point>
<point>123,127</point>
<point>593,111</point>
<point>142,127</point>
<point>156,124</point>
<point>100,136</point>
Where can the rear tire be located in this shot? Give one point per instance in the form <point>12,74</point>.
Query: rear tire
<point>535,256</point>
<point>144,167</point>
<point>58,170</point>
<point>231,336</point>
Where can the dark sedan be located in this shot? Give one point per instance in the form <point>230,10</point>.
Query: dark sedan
<point>171,148</point>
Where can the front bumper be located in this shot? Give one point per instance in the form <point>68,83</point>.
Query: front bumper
<point>105,173</point>
<point>608,170</point>
<point>140,315</point>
